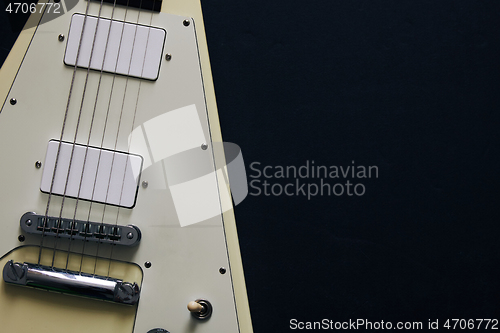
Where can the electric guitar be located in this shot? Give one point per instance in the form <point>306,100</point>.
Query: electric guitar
<point>116,209</point>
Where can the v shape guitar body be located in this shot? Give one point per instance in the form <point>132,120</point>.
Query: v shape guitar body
<point>115,209</point>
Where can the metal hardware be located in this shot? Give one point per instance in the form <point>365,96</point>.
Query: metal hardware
<point>38,164</point>
<point>222,270</point>
<point>61,37</point>
<point>83,230</point>
<point>147,264</point>
<point>186,23</point>
<point>130,235</point>
<point>168,57</point>
<point>145,184</point>
<point>21,238</point>
<point>204,146</point>
<point>206,311</point>
<point>13,101</point>
<point>69,282</point>
<point>158,330</point>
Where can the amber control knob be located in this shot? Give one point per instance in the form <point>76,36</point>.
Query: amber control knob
<point>200,309</point>
<point>195,307</point>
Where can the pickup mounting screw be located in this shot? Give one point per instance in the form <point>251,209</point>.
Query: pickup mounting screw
<point>168,57</point>
<point>28,223</point>
<point>186,23</point>
<point>145,184</point>
<point>38,164</point>
<point>130,235</point>
<point>61,37</point>
<point>147,264</point>
<point>204,146</point>
<point>222,270</point>
<point>13,101</point>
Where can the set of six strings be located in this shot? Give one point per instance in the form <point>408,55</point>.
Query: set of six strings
<point>72,224</point>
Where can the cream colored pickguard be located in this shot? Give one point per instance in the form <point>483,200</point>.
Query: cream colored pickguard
<point>185,260</point>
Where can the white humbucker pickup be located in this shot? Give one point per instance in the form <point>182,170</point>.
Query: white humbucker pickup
<point>95,174</point>
<point>125,48</point>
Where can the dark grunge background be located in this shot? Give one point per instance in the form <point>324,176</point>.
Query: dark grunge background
<point>409,86</point>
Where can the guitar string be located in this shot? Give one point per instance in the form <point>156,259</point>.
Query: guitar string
<point>80,111</point>
<point>131,131</point>
<point>103,135</point>
<point>88,141</point>
<point>45,217</point>
<point>117,136</point>
<point>59,221</point>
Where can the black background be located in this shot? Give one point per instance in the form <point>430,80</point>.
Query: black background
<point>409,86</point>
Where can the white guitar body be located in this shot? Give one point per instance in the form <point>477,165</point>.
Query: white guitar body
<point>188,248</point>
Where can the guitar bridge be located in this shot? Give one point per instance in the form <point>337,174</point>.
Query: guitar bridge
<point>83,230</point>
<point>69,282</point>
